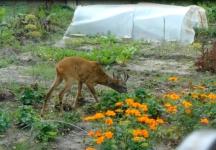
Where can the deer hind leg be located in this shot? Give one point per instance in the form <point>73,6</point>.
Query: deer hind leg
<point>55,83</point>
<point>92,90</point>
<point>79,95</point>
<point>68,84</point>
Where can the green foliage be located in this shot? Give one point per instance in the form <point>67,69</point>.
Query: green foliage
<point>45,131</point>
<point>105,54</point>
<point>4,121</point>
<point>31,96</point>
<point>2,13</point>
<point>26,117</point>
<point>4,62</point>
<point>210,11</point>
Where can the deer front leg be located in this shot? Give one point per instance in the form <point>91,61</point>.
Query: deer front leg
<point>78,96</point>
<point>92,90</point>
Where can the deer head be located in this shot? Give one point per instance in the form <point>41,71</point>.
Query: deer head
<point>119,83</point>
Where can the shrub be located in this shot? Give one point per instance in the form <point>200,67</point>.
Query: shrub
<point>207,60</point>
<point>4,122</point>
<point>45,131</point>
<point>31,96</point>
<point>26,117</point>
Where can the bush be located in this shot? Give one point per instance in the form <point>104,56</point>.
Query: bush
<point>45,131</point>
<point>31,96</point>
<point>4,122</point>
<point>207,60</point>
<point>26,117</point>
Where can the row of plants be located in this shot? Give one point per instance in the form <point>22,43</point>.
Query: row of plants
<point>140,120</point>
<point>108,51</point>
<point>26,117</point>
<point>32,25</point>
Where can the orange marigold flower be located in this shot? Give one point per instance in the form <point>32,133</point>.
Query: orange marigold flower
<point>160,121</point>
<point>110,113</point>
<point>94,117</point>
<point>194,95</point>
<point>139,132</point>
<point>170,108</point>
<point>143,119</point>
<point>109,121</point>
<point>119,104</point>
<point>144,107</point>
<point>134,112</point>
<point>100,140</point>
<point>91,133</point>
<point>99,116</point>
<point>129,101</point>
<point>172,96</point>
<point>204,121</point>
<point>212,96</point>
<point>108,134</point>
<point>173,78</point>
<point>98,133</point>
<point>186,104</point>
<point>135,104</point>
<point>90,148</point>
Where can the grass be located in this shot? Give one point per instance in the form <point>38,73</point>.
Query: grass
<point>4,62</point>
<point>44,71</point>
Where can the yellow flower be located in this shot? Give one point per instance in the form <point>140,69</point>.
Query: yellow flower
<point>90,148</point>
<point>108,134</point>
<point>172,96</point>
<point>119,104</point>
<point>129,101</point>
<point>109,121</point>
<point>186,104</point>
<point>99,116</point>
<point>94,117</point>
<point>212,96</point>
<point>139,132</point>
<point>100,140</point>
<point>98,133</point>
<point>110,113</point>
<point>160,121</point>
<point>173,79</point>
<point>204,121</point>
<point>170,108</point>
<point>134,112</point>
<point>144,107</point>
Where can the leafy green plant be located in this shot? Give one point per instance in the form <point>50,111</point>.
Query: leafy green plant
<point>45,131</point>
<point>26,117</point>
<point>4,121</point>
<point>30,96</point>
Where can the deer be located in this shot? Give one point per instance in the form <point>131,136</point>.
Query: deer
<point>85,72</point>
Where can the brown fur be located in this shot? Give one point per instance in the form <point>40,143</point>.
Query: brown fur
<point>84,71</point>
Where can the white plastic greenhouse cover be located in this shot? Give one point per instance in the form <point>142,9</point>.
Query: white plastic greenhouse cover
<point>146,21</point>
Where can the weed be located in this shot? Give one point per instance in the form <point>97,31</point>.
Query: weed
<point>31,96</point>
<point>45,131</point>
<point>207,60</point>
<point>26,117</point>
<point>4,121</point>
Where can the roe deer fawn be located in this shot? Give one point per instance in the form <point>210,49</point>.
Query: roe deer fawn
<point>85,72</point>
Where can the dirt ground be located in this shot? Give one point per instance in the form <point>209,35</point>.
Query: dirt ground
<point>142,69</point>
